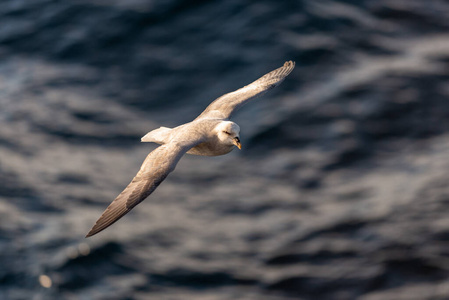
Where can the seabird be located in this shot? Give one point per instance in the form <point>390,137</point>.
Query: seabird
<point>210,134</point>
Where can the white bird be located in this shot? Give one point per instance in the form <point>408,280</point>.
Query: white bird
<point>210,134</point>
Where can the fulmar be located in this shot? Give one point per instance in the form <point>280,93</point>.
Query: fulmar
<point>210,134</point>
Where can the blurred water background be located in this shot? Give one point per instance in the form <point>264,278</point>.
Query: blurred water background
<point>340,191</point>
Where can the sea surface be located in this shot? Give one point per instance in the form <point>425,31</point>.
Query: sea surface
<point>341,189</point>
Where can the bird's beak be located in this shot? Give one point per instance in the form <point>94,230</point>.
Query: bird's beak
<point>236,141</point>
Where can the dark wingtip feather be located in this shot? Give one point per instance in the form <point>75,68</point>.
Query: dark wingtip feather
<point>116,210</point>
<point>111,215</point>
<point>94,230</point>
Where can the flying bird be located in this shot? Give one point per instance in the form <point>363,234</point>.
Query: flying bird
<point>210,134</point>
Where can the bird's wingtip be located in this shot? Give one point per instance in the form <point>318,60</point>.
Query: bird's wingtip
<point>89,234</point>
<point>289,63</point>
<point>94,230</point>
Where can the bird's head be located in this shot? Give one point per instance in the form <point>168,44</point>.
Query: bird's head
<point>229,133</point>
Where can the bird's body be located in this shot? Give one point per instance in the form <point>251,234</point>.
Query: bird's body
<point>210,134</point>
<point>203,129</point>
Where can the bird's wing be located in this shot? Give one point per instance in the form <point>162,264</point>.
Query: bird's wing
<point>224,106</point>
<point>156,167</point>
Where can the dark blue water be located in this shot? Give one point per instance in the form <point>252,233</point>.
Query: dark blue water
<point>340,190</point>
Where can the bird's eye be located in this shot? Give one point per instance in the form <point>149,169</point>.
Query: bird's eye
<point>227,132</point>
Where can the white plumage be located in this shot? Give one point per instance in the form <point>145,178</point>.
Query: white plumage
<point>210,134</point>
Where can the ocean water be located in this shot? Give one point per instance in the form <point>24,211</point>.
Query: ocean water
<point>340,190</point>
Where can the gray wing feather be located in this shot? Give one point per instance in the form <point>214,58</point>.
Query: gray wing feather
<point>227,104</point>
<point>156,167</point>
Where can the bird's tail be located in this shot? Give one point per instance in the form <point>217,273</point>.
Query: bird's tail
<point>158,136</point>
